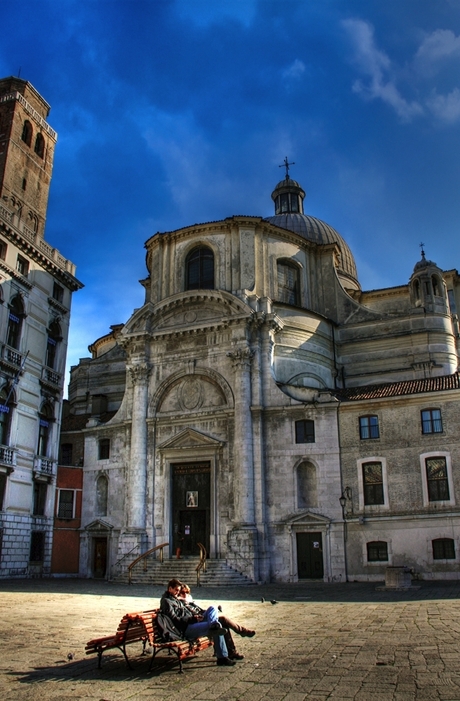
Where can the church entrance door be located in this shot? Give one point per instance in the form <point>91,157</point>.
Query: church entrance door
<point>191,506</point>
<point>309,556</point>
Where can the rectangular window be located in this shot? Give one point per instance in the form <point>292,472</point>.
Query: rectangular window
<point>2,489</point>
<point>436,475</point>
<point>40,490</point>
<point>431,421</point>
<point>377,551</point>
<point>3,250</point>
<point>104,449</point>
<point>368,427</point>
<point>65,503</point>
<point>443,549</point>
<point>22,266</point>
<point>305,431</point>
<point>66,454</point>
<point>58,292</point>
<point>452,305</point>
<point>373,483</point>
<point>37,546</point>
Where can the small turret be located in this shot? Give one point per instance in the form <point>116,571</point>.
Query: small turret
<point>427,286</point>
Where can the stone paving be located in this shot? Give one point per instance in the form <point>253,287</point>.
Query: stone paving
<point>320,641</point>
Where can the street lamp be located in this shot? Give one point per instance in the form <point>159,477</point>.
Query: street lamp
<point>344,497</point>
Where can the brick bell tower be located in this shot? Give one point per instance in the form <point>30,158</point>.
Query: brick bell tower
<point>27,145</point>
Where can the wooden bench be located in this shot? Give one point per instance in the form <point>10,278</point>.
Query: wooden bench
<point>141,627</point>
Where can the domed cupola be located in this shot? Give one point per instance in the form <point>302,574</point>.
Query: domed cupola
<point>427,286</point>
<point>288,197</point>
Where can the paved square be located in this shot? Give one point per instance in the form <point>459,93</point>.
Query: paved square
<point>320,641</point>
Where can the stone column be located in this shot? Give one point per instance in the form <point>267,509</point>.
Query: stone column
<point>137,469</point>
<point>243,445</point>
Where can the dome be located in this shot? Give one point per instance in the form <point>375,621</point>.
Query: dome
<point>288,197</point>
<point>423,263</point>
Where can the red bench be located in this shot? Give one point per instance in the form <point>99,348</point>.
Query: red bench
<point>141,627</point>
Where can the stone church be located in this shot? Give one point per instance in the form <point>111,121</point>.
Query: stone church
<point>262,404</point>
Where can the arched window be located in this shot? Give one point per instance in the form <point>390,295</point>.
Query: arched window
<point>27,133</point>
<point>102,485</point>
<point>288,283</point>
<point>16,316</point>
<point>199,269</point>
<point>39,145</point>
<point>54,336</point>
<point>307,487</point>
<point>44,431</point>
<point>6,408</point>
<point>435,285</point>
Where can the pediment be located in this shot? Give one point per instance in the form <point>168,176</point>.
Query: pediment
<point>189,438</point>
<point>188,311</point>
<point>307,518</point>
<point>98,526</point>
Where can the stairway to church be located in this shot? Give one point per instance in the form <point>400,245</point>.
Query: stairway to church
<point>217,574</point>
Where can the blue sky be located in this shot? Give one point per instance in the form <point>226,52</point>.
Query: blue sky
<point>171,112</point>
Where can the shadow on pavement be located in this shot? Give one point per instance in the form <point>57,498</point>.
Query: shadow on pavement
<point>113,669</point>
<point>349,592</point>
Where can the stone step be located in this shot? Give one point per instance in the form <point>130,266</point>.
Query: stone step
<point>218,573</point>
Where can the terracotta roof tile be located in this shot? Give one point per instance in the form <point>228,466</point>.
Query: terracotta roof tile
<point>398,389</point>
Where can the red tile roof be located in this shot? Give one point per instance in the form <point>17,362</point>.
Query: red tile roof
<point>398,389</point>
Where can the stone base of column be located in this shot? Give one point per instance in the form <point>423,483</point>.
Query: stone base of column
<point>243,550</point>
<point>132,543</point>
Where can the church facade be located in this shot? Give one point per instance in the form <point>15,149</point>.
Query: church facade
<point>262,404</point>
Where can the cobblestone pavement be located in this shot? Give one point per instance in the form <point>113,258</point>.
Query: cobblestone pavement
<point>320,641</point>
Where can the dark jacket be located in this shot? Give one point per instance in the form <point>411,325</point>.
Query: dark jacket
<point>176,610</point>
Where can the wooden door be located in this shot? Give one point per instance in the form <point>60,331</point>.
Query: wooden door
<point>191,506</point>
<point>100,558</point>
<point>310,556</point>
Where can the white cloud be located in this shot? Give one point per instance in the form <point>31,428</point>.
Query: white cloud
<point>441,44</point>
<point>377,65</point>
<point>446,108</point>
<point>295,71</point>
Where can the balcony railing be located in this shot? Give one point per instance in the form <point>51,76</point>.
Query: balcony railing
<point>12,356</point>
<point>7,456</point>
<point>51,376</point>
<point>44,466</point>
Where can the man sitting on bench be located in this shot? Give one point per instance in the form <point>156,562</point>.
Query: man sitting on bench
<point>193,626</point>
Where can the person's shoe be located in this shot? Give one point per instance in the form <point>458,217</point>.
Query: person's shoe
<point>246,633</point>
<point>225,662</point>
<point>216,629</point>
<point>235,656</point>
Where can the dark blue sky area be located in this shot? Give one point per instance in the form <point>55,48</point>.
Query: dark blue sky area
<point>171,112</point>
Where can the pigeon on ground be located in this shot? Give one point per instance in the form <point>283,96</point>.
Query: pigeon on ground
<point>70,656</point>
<point>273,601</point>
<point>263,600</point>
<point>219,608</point>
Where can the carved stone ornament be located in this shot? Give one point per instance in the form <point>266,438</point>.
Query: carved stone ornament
<point>140,372</point>
<point>241,357</point>
<point>191,394</point>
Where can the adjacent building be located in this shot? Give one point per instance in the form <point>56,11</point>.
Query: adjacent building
<point>36,286</point>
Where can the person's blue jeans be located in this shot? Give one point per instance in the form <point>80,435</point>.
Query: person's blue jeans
<point>197,630</point>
